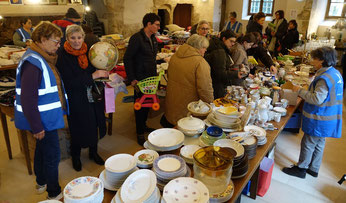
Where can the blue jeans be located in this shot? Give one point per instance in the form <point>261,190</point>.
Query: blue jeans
<point>46,162</point>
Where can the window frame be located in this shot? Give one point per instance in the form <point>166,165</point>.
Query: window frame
<point>261,6</point>
<point>334,17</point>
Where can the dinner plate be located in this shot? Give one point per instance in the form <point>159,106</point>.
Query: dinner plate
<point>120,163</point>
<point>169,164</point>
<point>280,110</point>
<point>256,131</point>
<point>185,189</point>
<point>139,186</point>
<point>225,196</point>
<point>145,158</point>
<point>148,145</point>
<point>188,150</point>
<point>83,188</point>
<point>106,185</point>
<point>231,144</point>
<point>166,137</point>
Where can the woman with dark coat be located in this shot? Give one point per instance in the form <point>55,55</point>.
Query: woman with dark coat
<point>256,23</point>
<point>86,120</point>
<point>291,37</point>
<point>275,31</point>
<point>219,58</point>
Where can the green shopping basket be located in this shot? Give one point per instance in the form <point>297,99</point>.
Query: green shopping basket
<point>150,85</point>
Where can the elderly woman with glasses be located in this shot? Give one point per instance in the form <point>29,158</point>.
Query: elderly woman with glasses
<point>40,104</point>
<point>219,58</point>
<point>188,79</point>
<point>201,28</point>
<point>86,120</point>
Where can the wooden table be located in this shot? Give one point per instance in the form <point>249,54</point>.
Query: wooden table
<point>253,171</point>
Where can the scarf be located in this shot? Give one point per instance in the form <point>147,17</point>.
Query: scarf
<point>272,43</point>
<point>81,53</point>
<point>51,60</point>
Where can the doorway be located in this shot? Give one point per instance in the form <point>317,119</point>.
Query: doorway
<point>182,15</point>
<point>164,15</point>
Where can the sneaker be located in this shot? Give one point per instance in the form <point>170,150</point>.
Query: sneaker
<point>58,197</point>
<point>41,188</point>
<point>295,171</point>
<point>312,173</point>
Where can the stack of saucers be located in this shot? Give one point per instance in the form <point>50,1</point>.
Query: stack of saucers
<point>140,186</point>
<point>167,167</point>
<point>165,139</point>
<point>187,152</point>
<point>145,158</point>
<point>84,189</point>
<point>212,134</point>
<point>118,168</point>
<point>258,132</point>
<point>228,118</point>
<point>250,145</point>
<point>225,196</point>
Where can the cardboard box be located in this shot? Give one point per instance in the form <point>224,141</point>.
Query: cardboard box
<point>288,94</point>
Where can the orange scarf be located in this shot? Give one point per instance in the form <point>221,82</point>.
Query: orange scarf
<point>81,53</point>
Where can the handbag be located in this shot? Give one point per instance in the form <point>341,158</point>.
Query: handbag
<point>97,91</point>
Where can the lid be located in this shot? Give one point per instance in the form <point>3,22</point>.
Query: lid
<point>214,158</point>
<point>191,123</point>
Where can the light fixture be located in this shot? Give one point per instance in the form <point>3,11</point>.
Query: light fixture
<point>87,9</point>
<point>1,17</point>
<point>33,1</point>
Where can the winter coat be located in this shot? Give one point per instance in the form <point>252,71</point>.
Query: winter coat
<point>288,41</point>
<point>281,31</point>
<point>188,80</point>
<point>261,54</point>
<point>219,58</point>
<point>239,56</point>
<point>253,26</point>
<point>86,120</point>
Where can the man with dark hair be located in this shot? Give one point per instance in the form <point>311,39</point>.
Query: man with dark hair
<point>140,63</point>
<point>322,112</point>
<point>71,17</point>
<point>234,25</point>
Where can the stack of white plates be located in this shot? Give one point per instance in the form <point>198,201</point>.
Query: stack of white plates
<point>258,132</point>
<point>169,166</point>
<point>191,126</point>
<point>165,139</point>
<point>118,168</point>
<point>225,196</point>
<point>145,158</point>
<point>185,189</point>
<point>84,189</point>
<point>187,152</point>
<point>140,186</point>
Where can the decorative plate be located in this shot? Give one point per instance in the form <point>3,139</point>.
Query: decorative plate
<point>146,157</point>
<point>186,190</point>
<point>255,131</point>
<point>82,188</point>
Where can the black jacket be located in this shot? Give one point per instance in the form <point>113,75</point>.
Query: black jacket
<point>140,57</point>
<point>261,54</point>
<point>253,26</point>
<point>219,58</point>
<point>282,29</point>
<point>288,40</point>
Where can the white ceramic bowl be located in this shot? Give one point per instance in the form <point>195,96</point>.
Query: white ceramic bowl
<point>145,158</point>
<point>166,137</point>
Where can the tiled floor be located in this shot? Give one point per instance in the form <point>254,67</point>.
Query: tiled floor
<point>16,186</point>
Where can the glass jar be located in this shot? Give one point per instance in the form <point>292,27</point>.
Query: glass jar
<point>213,166</point>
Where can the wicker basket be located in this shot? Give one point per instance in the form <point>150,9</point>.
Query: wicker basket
<point>198,114</point>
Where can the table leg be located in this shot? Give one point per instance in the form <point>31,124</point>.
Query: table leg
<point>254,184</point>
<point>26,150</point>
<point>110,122</point>
<point>6,135</point>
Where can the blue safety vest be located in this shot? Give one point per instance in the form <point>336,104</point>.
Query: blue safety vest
<point>49,104</point>
<point>325,120</point>
<point>23,34</point>
<point>235,27</point>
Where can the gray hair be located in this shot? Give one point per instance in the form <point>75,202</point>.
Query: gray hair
<point>74,28</point>
<point>198,41</point>
<point>202,22</point>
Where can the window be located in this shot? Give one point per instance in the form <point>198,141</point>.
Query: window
<point>335,9</point>
<point>266,6</point>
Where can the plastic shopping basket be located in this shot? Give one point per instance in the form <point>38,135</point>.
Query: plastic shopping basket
<point>150,85</point>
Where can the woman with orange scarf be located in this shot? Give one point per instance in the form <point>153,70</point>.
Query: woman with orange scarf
<point>86,120</point>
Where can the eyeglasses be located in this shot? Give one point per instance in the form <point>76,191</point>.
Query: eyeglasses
<point>56,41</point>
<point>205,29</point>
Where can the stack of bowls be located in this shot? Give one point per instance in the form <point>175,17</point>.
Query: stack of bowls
<point>187,152</point>
<point>191,126</point>
<point>84,189</point>
<point>212,134</point>
<point>240,161</point>
<point>250,146</point>
<point>165,139</point>
<point>118,168</point>
<point>168,167</point>
<point>225,117</point>
<point>145,158</point>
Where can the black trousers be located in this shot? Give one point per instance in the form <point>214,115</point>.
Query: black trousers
<point>76,149</point>
<point>165,123</point>
<point>141,115</point>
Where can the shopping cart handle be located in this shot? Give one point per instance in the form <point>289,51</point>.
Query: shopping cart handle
<point>343,178</point>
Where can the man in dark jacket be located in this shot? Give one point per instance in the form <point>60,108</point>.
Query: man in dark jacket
<point>291,37</point>
<point>219,58</point>
<point>71,17</point>
<point>140,63</point>
<point>255,23</point>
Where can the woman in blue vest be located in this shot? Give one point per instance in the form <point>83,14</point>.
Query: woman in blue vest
<point>322,112</point>
<point>22,35</point>
<point>40,104</point>
<point>86,120</point>
<point>234,25</point>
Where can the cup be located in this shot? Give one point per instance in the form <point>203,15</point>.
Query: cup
<point>277,117</point>
<point>284,103</point>
<point>278,104</point>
